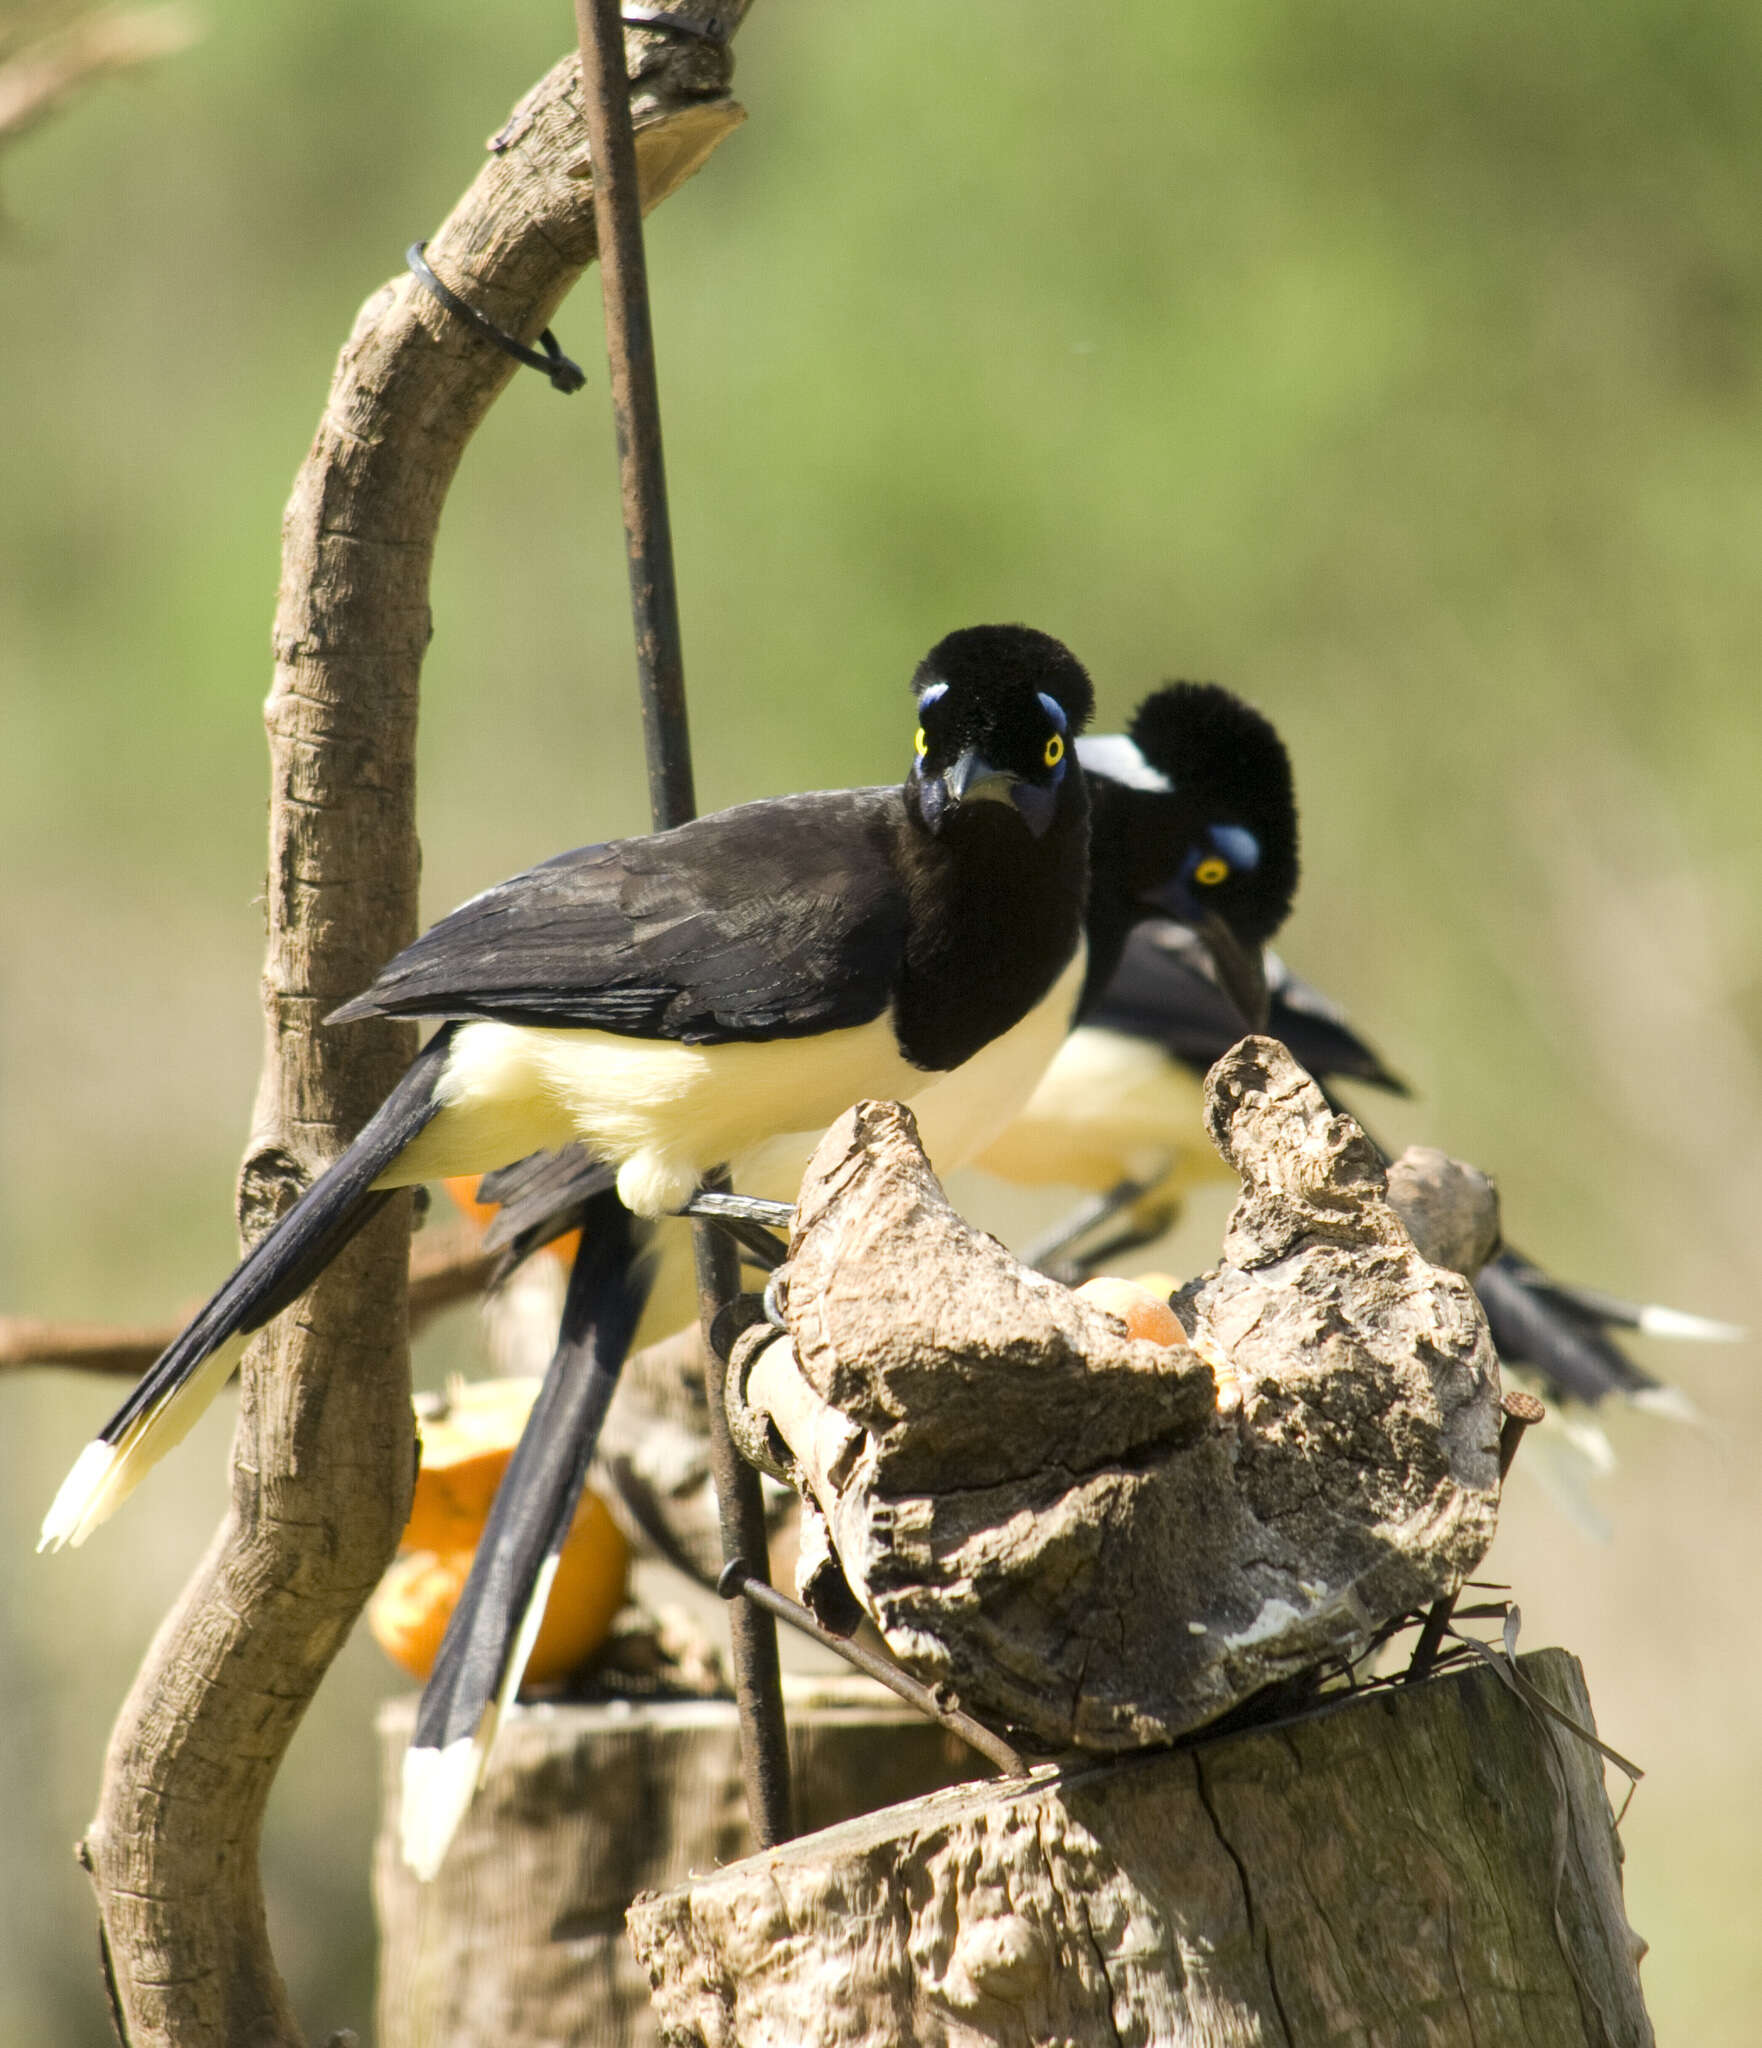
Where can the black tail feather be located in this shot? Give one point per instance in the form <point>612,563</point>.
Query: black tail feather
<point>536,1501</point>
<point>1535,1324</point>
<point>541,1198</point>
<point>285,1262</point>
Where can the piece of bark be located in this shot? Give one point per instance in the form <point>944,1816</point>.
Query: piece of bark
<point>653,1457</point>
<point>652,1463</point>
<point>1089,1539</point>
<point>1451,1211</point>
<point>1431,1865</point>
<point>520,1938</point>
<point>325,1448</point>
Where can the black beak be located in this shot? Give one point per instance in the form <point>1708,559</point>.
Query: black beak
<point>973,780</point>
<point>1241,971</point>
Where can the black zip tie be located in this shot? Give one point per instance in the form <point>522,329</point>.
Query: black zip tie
<point>673,24</point>
<point>566,375</point>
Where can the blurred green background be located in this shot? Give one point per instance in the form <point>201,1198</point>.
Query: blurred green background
<point>1396,364</point>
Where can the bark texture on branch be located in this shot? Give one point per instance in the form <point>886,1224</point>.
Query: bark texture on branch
<point>1100,1541</point>
<point>520,1938</point>
<point>1430,1867</point>
<point>325,1448</point>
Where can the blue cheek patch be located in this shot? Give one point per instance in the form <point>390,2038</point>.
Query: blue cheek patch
<point>1237,845</point>
<point>1037,803</point>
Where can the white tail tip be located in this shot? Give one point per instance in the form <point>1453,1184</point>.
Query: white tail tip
<point>1670,1402</point>
<point>440,1784</point>
<point>1676,1322</point>
<point>438,1787</point>
<point>87,1495</point>
<point>1587,1439</point>
<point>104,1475</point>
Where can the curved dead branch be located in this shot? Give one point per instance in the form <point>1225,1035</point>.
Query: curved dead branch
<point>325,1449</point>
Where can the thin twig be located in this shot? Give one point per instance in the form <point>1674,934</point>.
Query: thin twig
<point>1522,1411</point>
<point>38,78</point>
<point>448,1270</point>
<point>736,1580</point>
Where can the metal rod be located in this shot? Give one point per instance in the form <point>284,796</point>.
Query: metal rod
<point>740,1508</point>
<point>747,1220</point>
<point>654,601</point>
<point>736,1579</point>
<point>1521,1411</point>
<point>636,407</point>
<point>741,1209</point>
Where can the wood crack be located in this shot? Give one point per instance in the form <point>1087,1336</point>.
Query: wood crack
<point>1077,1913</point>
<point>1259,1935</point>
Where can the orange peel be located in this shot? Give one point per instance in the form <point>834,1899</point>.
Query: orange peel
<point>1144,1312</point>
<point>467,1442</point>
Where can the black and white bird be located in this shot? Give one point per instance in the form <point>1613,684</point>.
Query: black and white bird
<point>1234,792</point>
<point>674,1002</point>
<point>1212,856</point>
<point>1117,1112</point>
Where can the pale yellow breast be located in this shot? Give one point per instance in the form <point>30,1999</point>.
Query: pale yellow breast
<point>662,1113</point>
<point>958,1114</point>
<point>1108,1108</point>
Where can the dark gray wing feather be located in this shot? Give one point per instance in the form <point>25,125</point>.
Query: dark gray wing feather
<point>777,919</point>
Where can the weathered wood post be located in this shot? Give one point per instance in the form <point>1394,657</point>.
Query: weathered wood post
<point>520,1938</point>
<point>1103,1546</point>
<point>1426,1864</point>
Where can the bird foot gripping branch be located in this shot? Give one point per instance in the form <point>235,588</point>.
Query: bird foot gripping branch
<point>1067,1528</point>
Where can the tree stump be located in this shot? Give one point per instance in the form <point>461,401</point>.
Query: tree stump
<point>1427,1866</point>
<point>520,1938</point>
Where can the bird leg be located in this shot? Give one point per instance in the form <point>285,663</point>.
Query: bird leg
<point>1133,1238</point>
<point>750,1222</point>
<point>1054,1254</point>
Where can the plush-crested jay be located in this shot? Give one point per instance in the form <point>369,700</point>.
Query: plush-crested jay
<point>674,1002</point>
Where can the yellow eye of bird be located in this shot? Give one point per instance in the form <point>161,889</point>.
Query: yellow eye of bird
<point>1055,751</point>
<point>1212,870</point>
<point>919,741</point>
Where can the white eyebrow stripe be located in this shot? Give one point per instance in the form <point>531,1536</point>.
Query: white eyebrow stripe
<point>933,693</point>
<point>1113,755</point>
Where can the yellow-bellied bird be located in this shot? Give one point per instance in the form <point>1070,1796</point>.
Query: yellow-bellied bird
<point>1234,792</point>
<point>1118,1108</point>
<point>672,1002</point>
